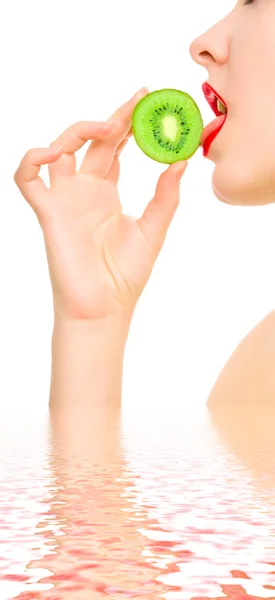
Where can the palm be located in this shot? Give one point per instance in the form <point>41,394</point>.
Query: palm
<point>98,257</point>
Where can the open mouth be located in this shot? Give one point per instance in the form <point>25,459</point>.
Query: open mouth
<point>214,100</point>
<point>220,110</point>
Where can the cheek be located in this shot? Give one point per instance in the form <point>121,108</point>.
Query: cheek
<point>251,74</point>
<point>252,143</point>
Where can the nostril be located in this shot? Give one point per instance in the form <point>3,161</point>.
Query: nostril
<point>202,58</point>
<point>205,56</point>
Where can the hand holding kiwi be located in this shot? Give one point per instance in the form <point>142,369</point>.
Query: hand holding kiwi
<point>100,258</point>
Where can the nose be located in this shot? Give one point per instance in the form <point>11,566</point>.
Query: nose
<point>212,47</point>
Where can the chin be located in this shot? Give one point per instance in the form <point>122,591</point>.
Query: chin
<point>238,189</point>
<point>230,199</point>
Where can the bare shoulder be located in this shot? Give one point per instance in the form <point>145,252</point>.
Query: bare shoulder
<point>249,374</point>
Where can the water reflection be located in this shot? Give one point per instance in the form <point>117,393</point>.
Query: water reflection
<point>98,551</point>
<point>248,433</point>
<point>154,505</point>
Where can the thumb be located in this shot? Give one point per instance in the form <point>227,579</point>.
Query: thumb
<point>158,214</point>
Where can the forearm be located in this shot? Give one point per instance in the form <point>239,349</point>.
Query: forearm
<point>87,362</point>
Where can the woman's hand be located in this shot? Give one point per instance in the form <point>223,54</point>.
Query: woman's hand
<point>99,258</point>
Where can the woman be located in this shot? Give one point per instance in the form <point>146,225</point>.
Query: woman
<point>100,259</point>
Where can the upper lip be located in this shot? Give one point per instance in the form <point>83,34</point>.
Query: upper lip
<point>211,96</point>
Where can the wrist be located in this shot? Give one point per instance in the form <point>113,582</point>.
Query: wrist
<point>111,328</point>
<point>87,361</point>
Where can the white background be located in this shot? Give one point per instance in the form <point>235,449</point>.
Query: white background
<point>62,62</point>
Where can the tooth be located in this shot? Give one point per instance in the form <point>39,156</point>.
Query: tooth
<point>221,107</point>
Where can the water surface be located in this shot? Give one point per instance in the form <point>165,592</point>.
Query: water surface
<point>138,504</point>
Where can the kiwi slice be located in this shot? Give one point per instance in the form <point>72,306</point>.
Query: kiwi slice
<point>167,125</point>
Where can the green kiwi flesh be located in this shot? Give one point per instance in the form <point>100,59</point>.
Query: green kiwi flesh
<point>167,125</point>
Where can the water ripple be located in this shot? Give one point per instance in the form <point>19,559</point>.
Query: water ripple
<point>175,506</point>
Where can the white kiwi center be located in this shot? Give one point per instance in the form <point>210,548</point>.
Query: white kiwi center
<point>170,127</point>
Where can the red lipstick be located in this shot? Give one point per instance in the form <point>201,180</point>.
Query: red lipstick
<point>211,131</point>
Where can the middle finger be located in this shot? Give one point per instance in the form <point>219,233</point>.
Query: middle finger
<point>72,139</point>
<point>100,154</point>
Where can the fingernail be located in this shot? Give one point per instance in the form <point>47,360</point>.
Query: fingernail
<point>180,170</point>
<point>141,92</point>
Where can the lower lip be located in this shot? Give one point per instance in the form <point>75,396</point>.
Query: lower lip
<point>210,133</point>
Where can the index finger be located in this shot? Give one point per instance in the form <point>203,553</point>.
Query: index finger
<point>100,155</point>
<point>125,110</point>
